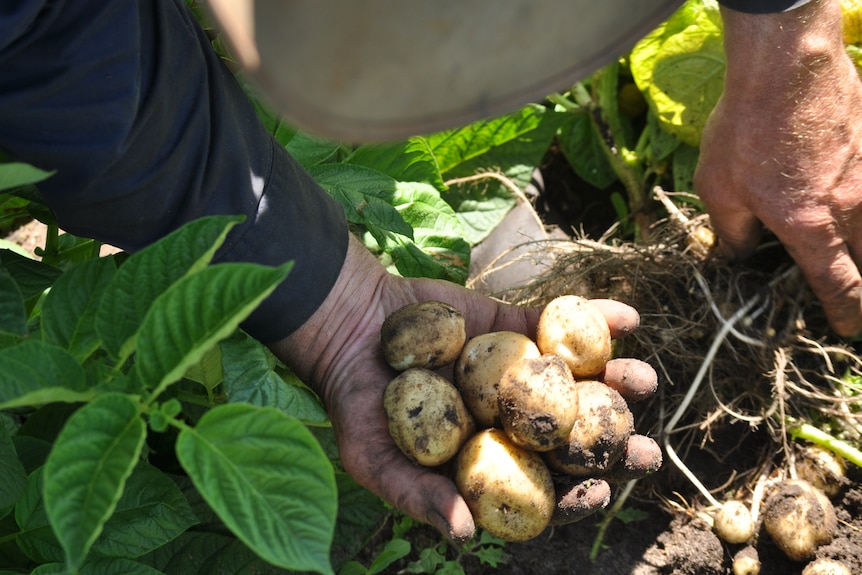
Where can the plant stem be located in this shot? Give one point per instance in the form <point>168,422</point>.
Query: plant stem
<point>799,430</point>
<point>609,517</point>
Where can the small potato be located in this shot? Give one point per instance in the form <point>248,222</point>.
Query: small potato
<point>746,561</point>
<point>574,329</point>
<point>733,522</point>
<point>427,418</point>
<point>826,567</point>
<point>822,469</point>
<point>799,518</point>
<point>641,457</point>
<point>480,366</point>
<point>508,489</point>
<point>425,334</point>
<point>599,436</point>
<point>538,401</point>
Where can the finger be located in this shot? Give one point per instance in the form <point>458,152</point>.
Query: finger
<point>835,280</point>
<point>622,318</point>
<point>577,499</point>
<point>642,457</point>
<point>737,227</point>
<point>634,379</point>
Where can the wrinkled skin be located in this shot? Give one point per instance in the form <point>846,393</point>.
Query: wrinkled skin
<point>783,148</point>
<point>338,353</point>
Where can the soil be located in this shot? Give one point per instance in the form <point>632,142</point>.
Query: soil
<point>664,531</point>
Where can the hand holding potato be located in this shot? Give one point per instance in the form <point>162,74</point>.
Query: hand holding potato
<point>337,352</point>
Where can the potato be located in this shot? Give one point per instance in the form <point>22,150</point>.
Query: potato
<point>425,334</point>
<point>481,365</point>
<point>826,567</point>
<point>733,522</point>
<point>427,417</point>
<point>641,457</point>
<point>599,436</point>
<point>574,329</point>
<point>822,469</point>
<point>538,402</point>
<point>746,561</point>
<point>799,518</point>
<point>507,488</point>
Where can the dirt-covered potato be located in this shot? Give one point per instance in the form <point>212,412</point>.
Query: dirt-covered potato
<point>538,401</point>
<point>427,418</point>
<point>799,518</point>
<point>641,457</point>
<point>599,436</point>
<point>826,567</point>
<point>508,489</point>
<point>746,561</point>
<point>425,334</point>
<point>822,469</point>
<point>480,366</point>
<point>575,329</point>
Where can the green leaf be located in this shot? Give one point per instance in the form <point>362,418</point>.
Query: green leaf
<point>438,250</point>
<point>32,277</point>
<point>14,174</point>
<point>148,273</point>
<point>581,146</point>
<point>13,478</point>
<point>208,553</point>
<point>517,147</point>
<point>366,196</point>
<point>360,515</point>
<point>250,377</point>
<point>455,147</point>
<point>408,161</point>
<point>33,373</point>
<point>310,151</point>
<point>394,550</point>
<point>684,164</point>
<point>87,470</point>
<point>99,567</point>
<point>680,69</point>
<point>208,371</point>
<point>69,309</point>
<point>13,314</point>
<point>151,512</point>
<point>268,480</point>
<point>36,538</point>
<point>194,314</point>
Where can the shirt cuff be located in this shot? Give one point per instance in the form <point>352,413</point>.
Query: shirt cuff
<point>762,6</point>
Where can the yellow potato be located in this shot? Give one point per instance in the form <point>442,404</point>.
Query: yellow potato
<point>538,401</point>
<point>425,334</point>
<point>508,489</point>
<point>576,330</point>
<point>599,436</point>
<point>480,366</point>
<point>427,418</point>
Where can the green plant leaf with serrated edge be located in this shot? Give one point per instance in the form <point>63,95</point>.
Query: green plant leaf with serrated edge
<point>31,276</point>
<point>69,309</point>
<point>148,273</point>
<point>366,196</point>
<point>268,480</point>
<point>679,67</point>
<point>194,314</point>
<point>250,377</point>
<point>87,470</point>
<point>33,373</point>
<point>15,174</point>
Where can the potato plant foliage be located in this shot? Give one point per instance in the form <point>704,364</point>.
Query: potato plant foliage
<point>135,440</point>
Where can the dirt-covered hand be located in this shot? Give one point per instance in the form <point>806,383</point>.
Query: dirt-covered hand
<point>338,353</point>
<point>783,148</point>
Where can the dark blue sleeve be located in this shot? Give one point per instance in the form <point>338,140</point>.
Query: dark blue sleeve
<point>147,130</point>
<point>762,6</point>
